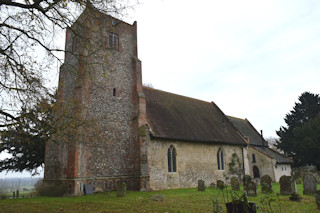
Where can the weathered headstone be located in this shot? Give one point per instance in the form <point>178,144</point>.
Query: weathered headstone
<point>266,184</point>
<point>121,189</point>
<point>246,178</point>
<point>251,189</point>
<point>309,184</point>
<point>317,197</point>
<point>294,186</point>
<point>235,184</point>
<point>87,189</point>
<point>201,186</point>
<point>17,194</point>
<point>220,184</point>
<point>256,181</point>
<point>13,195</point>
<point>157,197</point>
<point>285,185</point>
<point>212,185</point>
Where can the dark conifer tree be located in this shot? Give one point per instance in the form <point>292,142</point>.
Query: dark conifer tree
<point>304,110</point>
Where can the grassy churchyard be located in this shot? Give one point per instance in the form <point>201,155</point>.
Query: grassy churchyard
<point>176,200</point>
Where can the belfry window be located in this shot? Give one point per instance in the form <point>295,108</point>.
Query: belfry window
<point>114,92</point>
<point>220,159</point>
<point>172,164</point>
<point>113,41</point>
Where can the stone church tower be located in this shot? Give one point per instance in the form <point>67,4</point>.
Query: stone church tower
<point>101,107</point>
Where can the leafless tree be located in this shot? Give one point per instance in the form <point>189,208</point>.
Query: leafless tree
<point>271,142</point>
<point>28,45</point>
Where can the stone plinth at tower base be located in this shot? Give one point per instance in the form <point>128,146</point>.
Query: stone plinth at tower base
<point>59,187</point>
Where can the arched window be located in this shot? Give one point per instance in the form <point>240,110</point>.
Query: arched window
<point>220,159</point>
<point>172,164</point>
<point>253,158</point>
<point>256,173</point>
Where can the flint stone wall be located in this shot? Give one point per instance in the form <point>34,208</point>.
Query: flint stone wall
<point>195,161</point>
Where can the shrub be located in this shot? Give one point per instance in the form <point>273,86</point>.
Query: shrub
<point>56,189</point>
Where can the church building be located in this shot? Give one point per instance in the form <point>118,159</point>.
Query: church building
<point>122,131</point>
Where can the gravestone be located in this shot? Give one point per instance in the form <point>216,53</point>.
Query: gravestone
<point>13,195</point>
<point>121,189</point>
<point>309,184</point>
<point>256,181</point>
<point>220,184</point>
<point>294,186</point>
<point>87,189</point>
<point>251,189</point>
<point>201,186</point>
<point>212,185</point>
<point>17,194</point>
<point>246,178</point>
<point>317,197</point>
<point>266,184</point>
<point>235,184</point>
<point>157,197</point>
<point>285,185</point>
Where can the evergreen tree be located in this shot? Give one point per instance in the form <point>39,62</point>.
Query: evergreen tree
<point>25,140</point>
<point>306,109</point>
<point>306,143</point>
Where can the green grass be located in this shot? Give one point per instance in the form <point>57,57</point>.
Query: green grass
<point>176,200</point>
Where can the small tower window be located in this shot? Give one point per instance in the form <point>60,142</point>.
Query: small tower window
<point>114,92</point>
<point>113,41</point>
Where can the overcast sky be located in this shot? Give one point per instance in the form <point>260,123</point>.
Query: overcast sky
<point>252,58</point>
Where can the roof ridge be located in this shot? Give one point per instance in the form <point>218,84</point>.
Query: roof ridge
<point>183,96</point>
<point>243,119</point>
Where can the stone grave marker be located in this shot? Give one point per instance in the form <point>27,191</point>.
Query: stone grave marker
<point>309,184</point>
<point>212,185</point>
<point>256,181</point>
<point>201,186</point>
<point>251,189</point>
<point>246,178</point>
<point>220,184</point>
<point>121,189</point>
<point>285,185</point>
<point>266,184</point>
<point>235,184</point>
<point>158,197</point>
<point>87,189</point>
<point>17,194</point>
<point>294,186</point>
<point>317,197</point>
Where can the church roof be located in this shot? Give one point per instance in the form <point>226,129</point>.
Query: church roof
<point>248,131</point>
<point>280,159</point>
<point>256,141</point>
<point>177,117</point>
